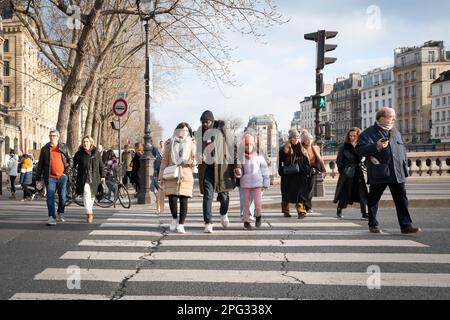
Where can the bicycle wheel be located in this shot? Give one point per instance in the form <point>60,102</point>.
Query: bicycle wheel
<point>104,202</point>
<point>124,197</point>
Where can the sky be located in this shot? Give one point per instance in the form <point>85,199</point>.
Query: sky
<point>276,75</point>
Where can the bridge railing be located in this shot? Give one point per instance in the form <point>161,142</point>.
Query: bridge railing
<point>419,164</point>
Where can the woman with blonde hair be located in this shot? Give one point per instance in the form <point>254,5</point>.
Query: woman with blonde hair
<point>90,174</point>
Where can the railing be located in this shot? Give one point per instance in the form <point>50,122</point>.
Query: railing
<point>419,164</point>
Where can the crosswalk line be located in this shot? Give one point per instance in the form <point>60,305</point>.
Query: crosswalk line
<point>199,232</point>
<point>66,296</point>
<point>262,256</point>
<point>200,215</point>
<point>197,219</point>
<point>433,280</point>
<point>254,243</point>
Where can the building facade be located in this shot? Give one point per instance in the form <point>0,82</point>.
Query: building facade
<point>296,121</point>
<point>415,69</point>
<point>346,105</point>
<point>440,108</point>
<point>378,90</point>
<point>31,90</point>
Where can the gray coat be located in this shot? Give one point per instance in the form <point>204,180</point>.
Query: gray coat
<point>389,165</point>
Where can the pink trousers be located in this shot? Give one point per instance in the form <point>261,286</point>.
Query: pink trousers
<point>257,199</point>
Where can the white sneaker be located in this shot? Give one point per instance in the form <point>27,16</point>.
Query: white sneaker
<point>173,225</point>
<point>32,196</point>
<point>251,218</point>
<point>225,221</point>
<point>180,228</point>
<point>208,228</point>
<point>60,218</point>
<point>51,221</point>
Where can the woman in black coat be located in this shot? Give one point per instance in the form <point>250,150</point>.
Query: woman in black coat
<point>136,165</point>
<point>295,172</point>
<point>90,174</point>
<point>351,186</point>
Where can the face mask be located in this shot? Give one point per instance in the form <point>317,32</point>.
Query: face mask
<point>387,127</point>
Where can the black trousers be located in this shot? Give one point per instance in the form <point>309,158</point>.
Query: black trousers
<point>398,192</point>
<point>173,204</point>
<point>13,184</point>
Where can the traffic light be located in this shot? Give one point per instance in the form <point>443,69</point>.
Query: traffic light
<point>319,102</point>
<point>319,37</point>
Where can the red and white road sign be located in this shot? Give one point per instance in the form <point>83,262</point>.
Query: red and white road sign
<point>120,107</point>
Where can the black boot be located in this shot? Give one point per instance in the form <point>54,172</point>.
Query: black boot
<point>339,213</point>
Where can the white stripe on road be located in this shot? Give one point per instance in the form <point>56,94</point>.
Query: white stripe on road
<point>199,232</point>
<point>254,243</point>
<point>254,277</point>
<point>188,219</point>
<point>200,215</point>
<point>235,225</point>
<point>63,296</point>
<point>292,243</point>
<point>262,256</point>
<point>116,243</point>
<point>125,233</point>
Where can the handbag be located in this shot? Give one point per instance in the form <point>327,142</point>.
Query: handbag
<point>171,172</point>
<point>291,169</point>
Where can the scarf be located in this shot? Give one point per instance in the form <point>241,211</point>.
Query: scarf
<point>181,150</point>
<point>386,127</point>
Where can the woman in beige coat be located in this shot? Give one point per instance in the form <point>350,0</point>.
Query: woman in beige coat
<point>176,173</point>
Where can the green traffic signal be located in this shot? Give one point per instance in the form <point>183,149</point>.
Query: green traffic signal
<point>319,102</point>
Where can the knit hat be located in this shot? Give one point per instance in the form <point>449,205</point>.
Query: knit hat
<point>207,115</point>
<point>293,133</point>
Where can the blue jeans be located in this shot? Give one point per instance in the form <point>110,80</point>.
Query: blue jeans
<point>208,196</point>
<point>54,184</point>
<point>241,203</point>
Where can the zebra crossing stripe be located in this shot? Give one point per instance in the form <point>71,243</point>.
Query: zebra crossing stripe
<point>262,256</point>
<point>254,243</point>
<point>165,220</point>
<point>188,225</point>
<point>124,233</point>
<point>430,280</point>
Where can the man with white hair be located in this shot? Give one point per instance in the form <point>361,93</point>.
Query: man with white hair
<point>387,166</point>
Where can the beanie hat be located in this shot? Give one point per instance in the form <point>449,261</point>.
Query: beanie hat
<point>293,133</point>
<point>207,115</point>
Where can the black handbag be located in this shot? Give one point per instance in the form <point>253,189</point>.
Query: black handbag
<point>291,169</point>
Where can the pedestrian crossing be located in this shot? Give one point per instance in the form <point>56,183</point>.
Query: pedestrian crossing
<point>133,256</point>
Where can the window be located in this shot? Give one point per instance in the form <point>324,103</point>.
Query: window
<point>364,95</point>
<point>413,107</point>
<point>365,123</point>
<point>413,91</point>
<point>6,68</point>
<point>413,125</point>
<point>389,90</point>
<point>443,115</point>
<point>406,108</point>
<point>448,131</point>
<point>400,109</point>
<point>442,131</point>
<point>406,76</point>
<point>413,75</point>
<point>370,106</point>
<point>417,57</point>
<point>437,117</point>
<point>390,102</point>
<point>384,103</point>
<point>377,105</point>
<point>431,56</point>
<point>400,78</point>
<point>6,46</point>
<point>376,93</point>
<point>383,91</point>
<point>407,92</point>
<point>444,101</point>
<point>440,89</point>
<point>438,102</point>
<point>6,94</point>
<point>432,74</point>
<point>403,61</point>
<point>365,108</point>
<point>370,94</point>
<point>406,125</point>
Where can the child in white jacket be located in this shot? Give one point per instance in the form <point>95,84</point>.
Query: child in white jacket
<point>254,180</point>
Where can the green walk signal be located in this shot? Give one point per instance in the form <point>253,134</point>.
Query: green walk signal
<point>319,102</point>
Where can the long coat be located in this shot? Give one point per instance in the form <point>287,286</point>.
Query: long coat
<point>294,187</point>
<point>351,186</point>
<point>224,178</point>
<point>389,165</point>
<point>184,186</point>
<point>88,165</point>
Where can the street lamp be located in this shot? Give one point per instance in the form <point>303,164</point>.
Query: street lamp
<point>146,12</point>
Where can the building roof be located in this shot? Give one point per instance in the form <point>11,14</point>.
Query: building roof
<point>443,77</point>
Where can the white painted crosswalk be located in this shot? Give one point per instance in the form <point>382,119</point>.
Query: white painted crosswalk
<point>298,255</point>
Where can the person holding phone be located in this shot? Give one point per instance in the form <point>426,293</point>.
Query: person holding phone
<point>387,166</point>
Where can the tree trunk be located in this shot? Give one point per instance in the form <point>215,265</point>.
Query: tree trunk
<point>74,140</point>
<point>91,111</point>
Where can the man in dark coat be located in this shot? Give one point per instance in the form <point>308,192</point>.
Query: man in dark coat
<point>387,166</point>
<point>54,165</point>
<point>215,172</point>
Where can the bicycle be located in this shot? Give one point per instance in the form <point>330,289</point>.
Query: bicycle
<point>120,194</point>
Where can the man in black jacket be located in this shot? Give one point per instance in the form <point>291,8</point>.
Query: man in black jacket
<point>53,167</point>
<point>386,162</point>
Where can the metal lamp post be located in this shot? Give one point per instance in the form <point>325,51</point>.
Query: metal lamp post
<point>145,8</point>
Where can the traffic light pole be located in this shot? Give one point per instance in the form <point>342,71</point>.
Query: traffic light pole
<point>319,189</point>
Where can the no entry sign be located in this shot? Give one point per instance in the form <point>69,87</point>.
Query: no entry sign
<point>120,107</point>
